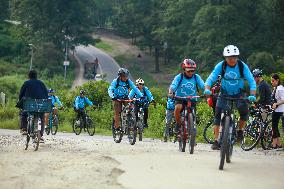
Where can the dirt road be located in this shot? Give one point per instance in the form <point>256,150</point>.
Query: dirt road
<point>69,161</point>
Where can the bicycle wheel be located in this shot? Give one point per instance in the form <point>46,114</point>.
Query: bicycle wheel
<point>35,139</point>
<point>224,141</point>
<point>77,125</point>
<point>208,132</point>
<point>266,139</point>
<point>252,135</point>
<point>182,139</point>
<point>54,127</point>
<point>47,130</point>
<point>29,130</point>
<point>117,134</point>
<point>90,126</point>
<point>191,133</point>
<point>131,129</point>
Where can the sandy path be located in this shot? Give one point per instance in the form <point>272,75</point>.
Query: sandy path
<point>69,161</point>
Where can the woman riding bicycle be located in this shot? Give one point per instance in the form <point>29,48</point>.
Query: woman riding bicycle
<point>144,101</point>
<point>233,72</point>
<point>183,85</point>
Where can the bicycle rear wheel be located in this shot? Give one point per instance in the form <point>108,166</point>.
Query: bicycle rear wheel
<point>182,138</point>
<point>54,127</point>
<point>224,150</point>
<point>131,129</point>
<point>191,133</point>
<point>266,139</point>
<point>252,135</point>
<point>35,139</point>
<point>116,133</point>
<point>77,125</point>
<point>29,130</point>
<point>90,126</point>
<point>208,132</point>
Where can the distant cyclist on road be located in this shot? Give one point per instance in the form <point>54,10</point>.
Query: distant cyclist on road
<point>233,72</point>
<point>144,101</point>
<point>119,89</point>
<point>183,85</point>
<point>79,105</point>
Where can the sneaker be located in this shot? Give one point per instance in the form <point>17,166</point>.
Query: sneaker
<point>23,131</point>
<point>176,129</point>
<point>165,139</point>
<point>215,145</point>
<point>240,135</point>
<point>41,140</point>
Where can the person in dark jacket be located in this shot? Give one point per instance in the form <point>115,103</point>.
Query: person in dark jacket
<point>34,89</point>
<point>264,90</point>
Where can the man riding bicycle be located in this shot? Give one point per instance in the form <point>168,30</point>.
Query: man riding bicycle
<point>144,101</point>
<point>183,85</point>
<point>234,72</point>
<point>119,89</point>
<point>54,100</point>
<point>79,105</point>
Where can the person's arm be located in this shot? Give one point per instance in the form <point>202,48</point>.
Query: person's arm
<point>249,77</point>
<point>77,103</point>
<point>213,77</point>
<point>149,94</point>
<point>58,101</point>
<point>174,84</point>
<point>23,91</point>
<point>45,93</point>
<point>111,88</point>
<point>88,102</point>
<point>200,82</point>
<point>131,94</point>
<point>136,90</point>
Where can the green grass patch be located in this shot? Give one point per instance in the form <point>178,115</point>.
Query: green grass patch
<point>104,46</point>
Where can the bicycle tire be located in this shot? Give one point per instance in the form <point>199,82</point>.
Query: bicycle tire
<point>140,133</point>
<point>54,127</point>
<point>36,139</point>
<point>182,138</point>
<point>47,130</point>
<point>266,139</point>
<point>252,135</point>
<point>77,129</point>
<point>29,126</point>
<point>191,133</point>
<point>131,129</point>
<point>91,129</point>
<point>117,134</point>
<point>224,141</point>
<point>207,131</point>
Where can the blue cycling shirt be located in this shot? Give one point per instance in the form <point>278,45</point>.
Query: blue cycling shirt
<point>80,102</point>
<point>54,99</point>
<point>145,90</point>
<point>120,89</point>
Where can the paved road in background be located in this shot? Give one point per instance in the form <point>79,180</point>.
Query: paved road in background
<point>107,65</point>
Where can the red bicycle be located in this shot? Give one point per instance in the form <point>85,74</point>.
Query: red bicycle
<point>187,130</point>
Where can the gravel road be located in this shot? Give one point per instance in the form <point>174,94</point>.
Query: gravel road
<point>70,161</point>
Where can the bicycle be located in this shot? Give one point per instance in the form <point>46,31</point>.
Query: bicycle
<point>52,123</point>
<point>208,131</point>
<point>35,109</point>
<point>188,127</point>
<point>227,131</point>
<point>127,123</point>
<point>79,124</point>
<point>169,131</point>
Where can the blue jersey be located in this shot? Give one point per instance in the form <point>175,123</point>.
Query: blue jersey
<point>54,99</point>
<point>232,83</point>
<point>187,86</point>
<point>119,89</point>
<point>170,104</point>
<point>146,94</point>
<point>80,102</point>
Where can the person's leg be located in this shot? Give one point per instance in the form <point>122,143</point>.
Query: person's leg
<point>146,117</point>
<point>169,116</point>
<point>282,119</point>
<point>275,130</point>
<point>178,109</point>
<point>23,122</point>
<point>243,109</point>
<point>46,119</point>
<point>117,110</point>
<point>42,118</point>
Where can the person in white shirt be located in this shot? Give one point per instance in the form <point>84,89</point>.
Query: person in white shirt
<point>278,105</point>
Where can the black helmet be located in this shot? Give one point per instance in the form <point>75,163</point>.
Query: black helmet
<point>123,71</point>
<point>50,90</point>
<point>257,73</point>
<point>82,92</point>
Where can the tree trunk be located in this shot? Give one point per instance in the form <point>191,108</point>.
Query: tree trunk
<point>157,53</point>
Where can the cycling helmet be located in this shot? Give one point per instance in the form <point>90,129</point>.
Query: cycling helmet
<point>257,73</point>
<point>50,90</point>
<point>82,92</point>
<point>139,81</point>
<point>123,71</point>
<point>188,63</point>
<point>231,50</point>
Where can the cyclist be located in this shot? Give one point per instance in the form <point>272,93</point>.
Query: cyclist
<point>34,89</point>
<point>79,105</point>
<point>264,90</point>
<point>233,72</point>
<point>119,89</point>
<point>169,116</point>
<point>144,101</point>
<point>54,100</point>
<point>278,105</point>
<point>185,84</point>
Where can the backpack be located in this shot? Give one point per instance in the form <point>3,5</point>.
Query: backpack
<point>117,83</point>
<point>181,78</point>
<point>241,68</point>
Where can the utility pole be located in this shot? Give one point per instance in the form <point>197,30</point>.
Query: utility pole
<point>32,55</point>
<point>66,62</point>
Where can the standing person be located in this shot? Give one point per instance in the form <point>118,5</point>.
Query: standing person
<point>119,89</point>
<point>278,105</point>
<point>169,116</point>
<point>96,67</point>
<point>34,89</point>
<point>144,101</point>
<point>183,85</point>
<point>264,90</point>
<point>234,72</point>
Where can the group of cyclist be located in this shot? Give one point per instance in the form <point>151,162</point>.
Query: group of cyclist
<point>227,79</point>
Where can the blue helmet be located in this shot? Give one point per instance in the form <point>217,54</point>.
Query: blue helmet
<point>50,90</point>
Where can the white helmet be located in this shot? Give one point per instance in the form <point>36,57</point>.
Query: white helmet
<point>231,50</point>
<point>139,81</point>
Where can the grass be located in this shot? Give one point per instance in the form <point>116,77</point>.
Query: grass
<point>104,46</point>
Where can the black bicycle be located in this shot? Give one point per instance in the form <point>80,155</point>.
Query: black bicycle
<point>79,124</point>
<point>208,131</point>
<point>35,109</point>
<point>127,123</point>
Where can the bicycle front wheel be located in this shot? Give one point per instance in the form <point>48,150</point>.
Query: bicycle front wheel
<point>131,129</point>
<point>182,139</point>
<point>90,126</point>
<point>208,132</point>
<point>54,127</point>
<point>77,125</point>
<point>191,133</point>
<point>224,151</point>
